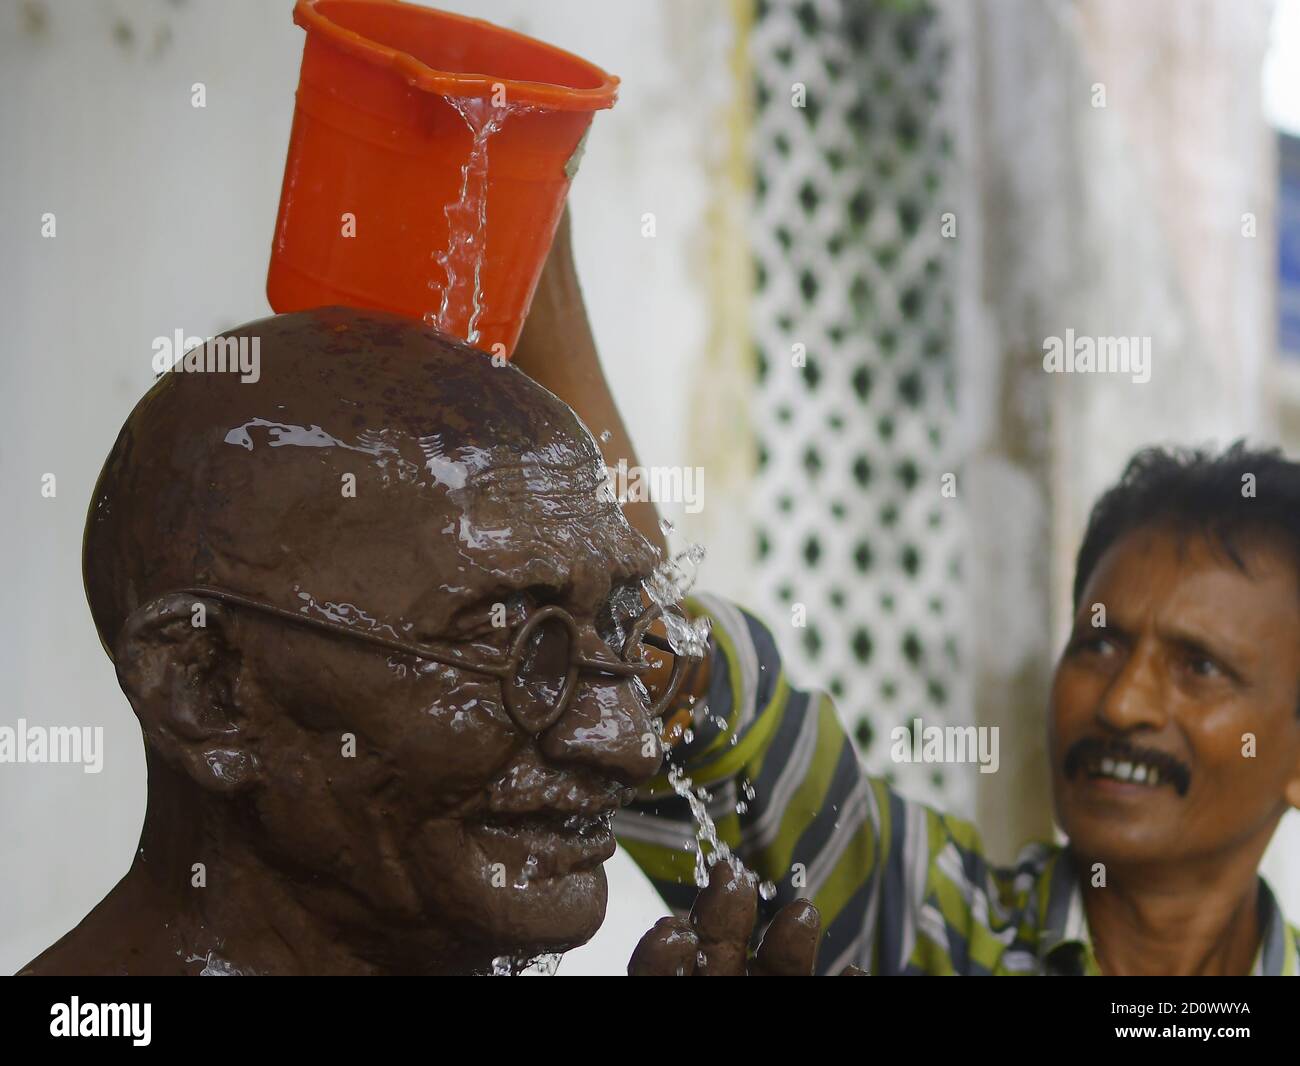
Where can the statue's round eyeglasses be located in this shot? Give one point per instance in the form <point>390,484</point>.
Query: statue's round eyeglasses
<point>538,675</point>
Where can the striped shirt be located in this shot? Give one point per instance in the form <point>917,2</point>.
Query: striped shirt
<point>902,889</point>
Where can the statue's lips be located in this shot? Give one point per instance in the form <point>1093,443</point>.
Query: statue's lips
<point>545,844</point>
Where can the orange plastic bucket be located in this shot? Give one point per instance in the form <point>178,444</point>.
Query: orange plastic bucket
<point>428,166</point>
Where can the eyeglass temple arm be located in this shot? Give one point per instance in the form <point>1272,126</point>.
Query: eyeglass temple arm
<point>618,666</point>
<point>420,651</point>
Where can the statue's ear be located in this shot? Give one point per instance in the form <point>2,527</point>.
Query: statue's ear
<point>177,664</point>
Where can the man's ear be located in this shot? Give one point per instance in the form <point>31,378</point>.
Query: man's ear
<point>177,664</point>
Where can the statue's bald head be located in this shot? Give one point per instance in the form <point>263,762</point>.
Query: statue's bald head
<point>374,462</point>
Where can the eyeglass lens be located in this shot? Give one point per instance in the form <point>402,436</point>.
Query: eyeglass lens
<point>544,673</point>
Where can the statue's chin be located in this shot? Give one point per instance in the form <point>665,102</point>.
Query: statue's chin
<point>517,892</point>
<point>557,914</point>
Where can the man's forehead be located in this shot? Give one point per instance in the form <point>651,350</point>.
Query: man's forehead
<point>1195,576</point>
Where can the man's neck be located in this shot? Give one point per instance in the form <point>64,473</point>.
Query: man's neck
<point>1203,922</point>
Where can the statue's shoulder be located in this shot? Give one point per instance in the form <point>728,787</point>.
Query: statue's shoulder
<point>117,938</point>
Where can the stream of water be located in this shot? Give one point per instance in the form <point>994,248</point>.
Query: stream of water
<point>668,586</point>
<point>461,306</point>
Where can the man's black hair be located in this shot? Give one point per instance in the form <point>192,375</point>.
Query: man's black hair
<point>1223,497</point>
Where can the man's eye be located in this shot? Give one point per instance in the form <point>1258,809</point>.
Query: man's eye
<point>1094,645</point>
<point>1203,666</point>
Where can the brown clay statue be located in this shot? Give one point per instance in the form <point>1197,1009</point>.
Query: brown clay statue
<point>382,631</point>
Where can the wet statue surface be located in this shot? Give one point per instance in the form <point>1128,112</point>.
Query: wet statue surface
<point>320,804</point>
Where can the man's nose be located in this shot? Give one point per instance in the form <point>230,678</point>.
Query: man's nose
<point>606,728</point>
<point>1135,696</point>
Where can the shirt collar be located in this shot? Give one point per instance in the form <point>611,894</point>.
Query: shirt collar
<point>1277,947</point>
<point>1063,942</point>
<point>1065,947</point>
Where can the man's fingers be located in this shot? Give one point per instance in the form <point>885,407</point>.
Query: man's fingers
<point>789,947</point>
<point>714,942</point>
<point>726,908</point>
<point>723,917</point>
<point>668,950</point>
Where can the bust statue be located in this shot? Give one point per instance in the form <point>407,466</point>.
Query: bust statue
<point>382,630</point>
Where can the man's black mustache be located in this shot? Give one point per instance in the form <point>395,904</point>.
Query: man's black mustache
<point>1092,749</point>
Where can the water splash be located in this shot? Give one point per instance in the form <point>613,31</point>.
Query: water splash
<point>544,965</point>
<point>706,832</point>
<point>462,261</point>
<point>667,586</point>
<point>706,836</point>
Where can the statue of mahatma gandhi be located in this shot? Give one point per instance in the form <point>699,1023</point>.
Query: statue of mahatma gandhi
<point>356,606</point>
<point>387,643</point>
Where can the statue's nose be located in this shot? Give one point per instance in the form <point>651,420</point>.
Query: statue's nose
<point>606,728</point>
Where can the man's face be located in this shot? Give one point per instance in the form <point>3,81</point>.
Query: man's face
<point>1192,682</point>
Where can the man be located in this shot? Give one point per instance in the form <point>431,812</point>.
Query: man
<point>1173,735</point>
<point>377,623</point>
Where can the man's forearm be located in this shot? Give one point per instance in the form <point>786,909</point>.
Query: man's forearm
<point>557,350</point>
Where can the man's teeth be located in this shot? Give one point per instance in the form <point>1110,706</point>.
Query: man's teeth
<point>1122,770</point>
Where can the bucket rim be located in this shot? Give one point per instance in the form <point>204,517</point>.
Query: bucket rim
<point>429,79</point>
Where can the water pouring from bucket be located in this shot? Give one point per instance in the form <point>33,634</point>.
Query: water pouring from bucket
<point>428,166</point>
